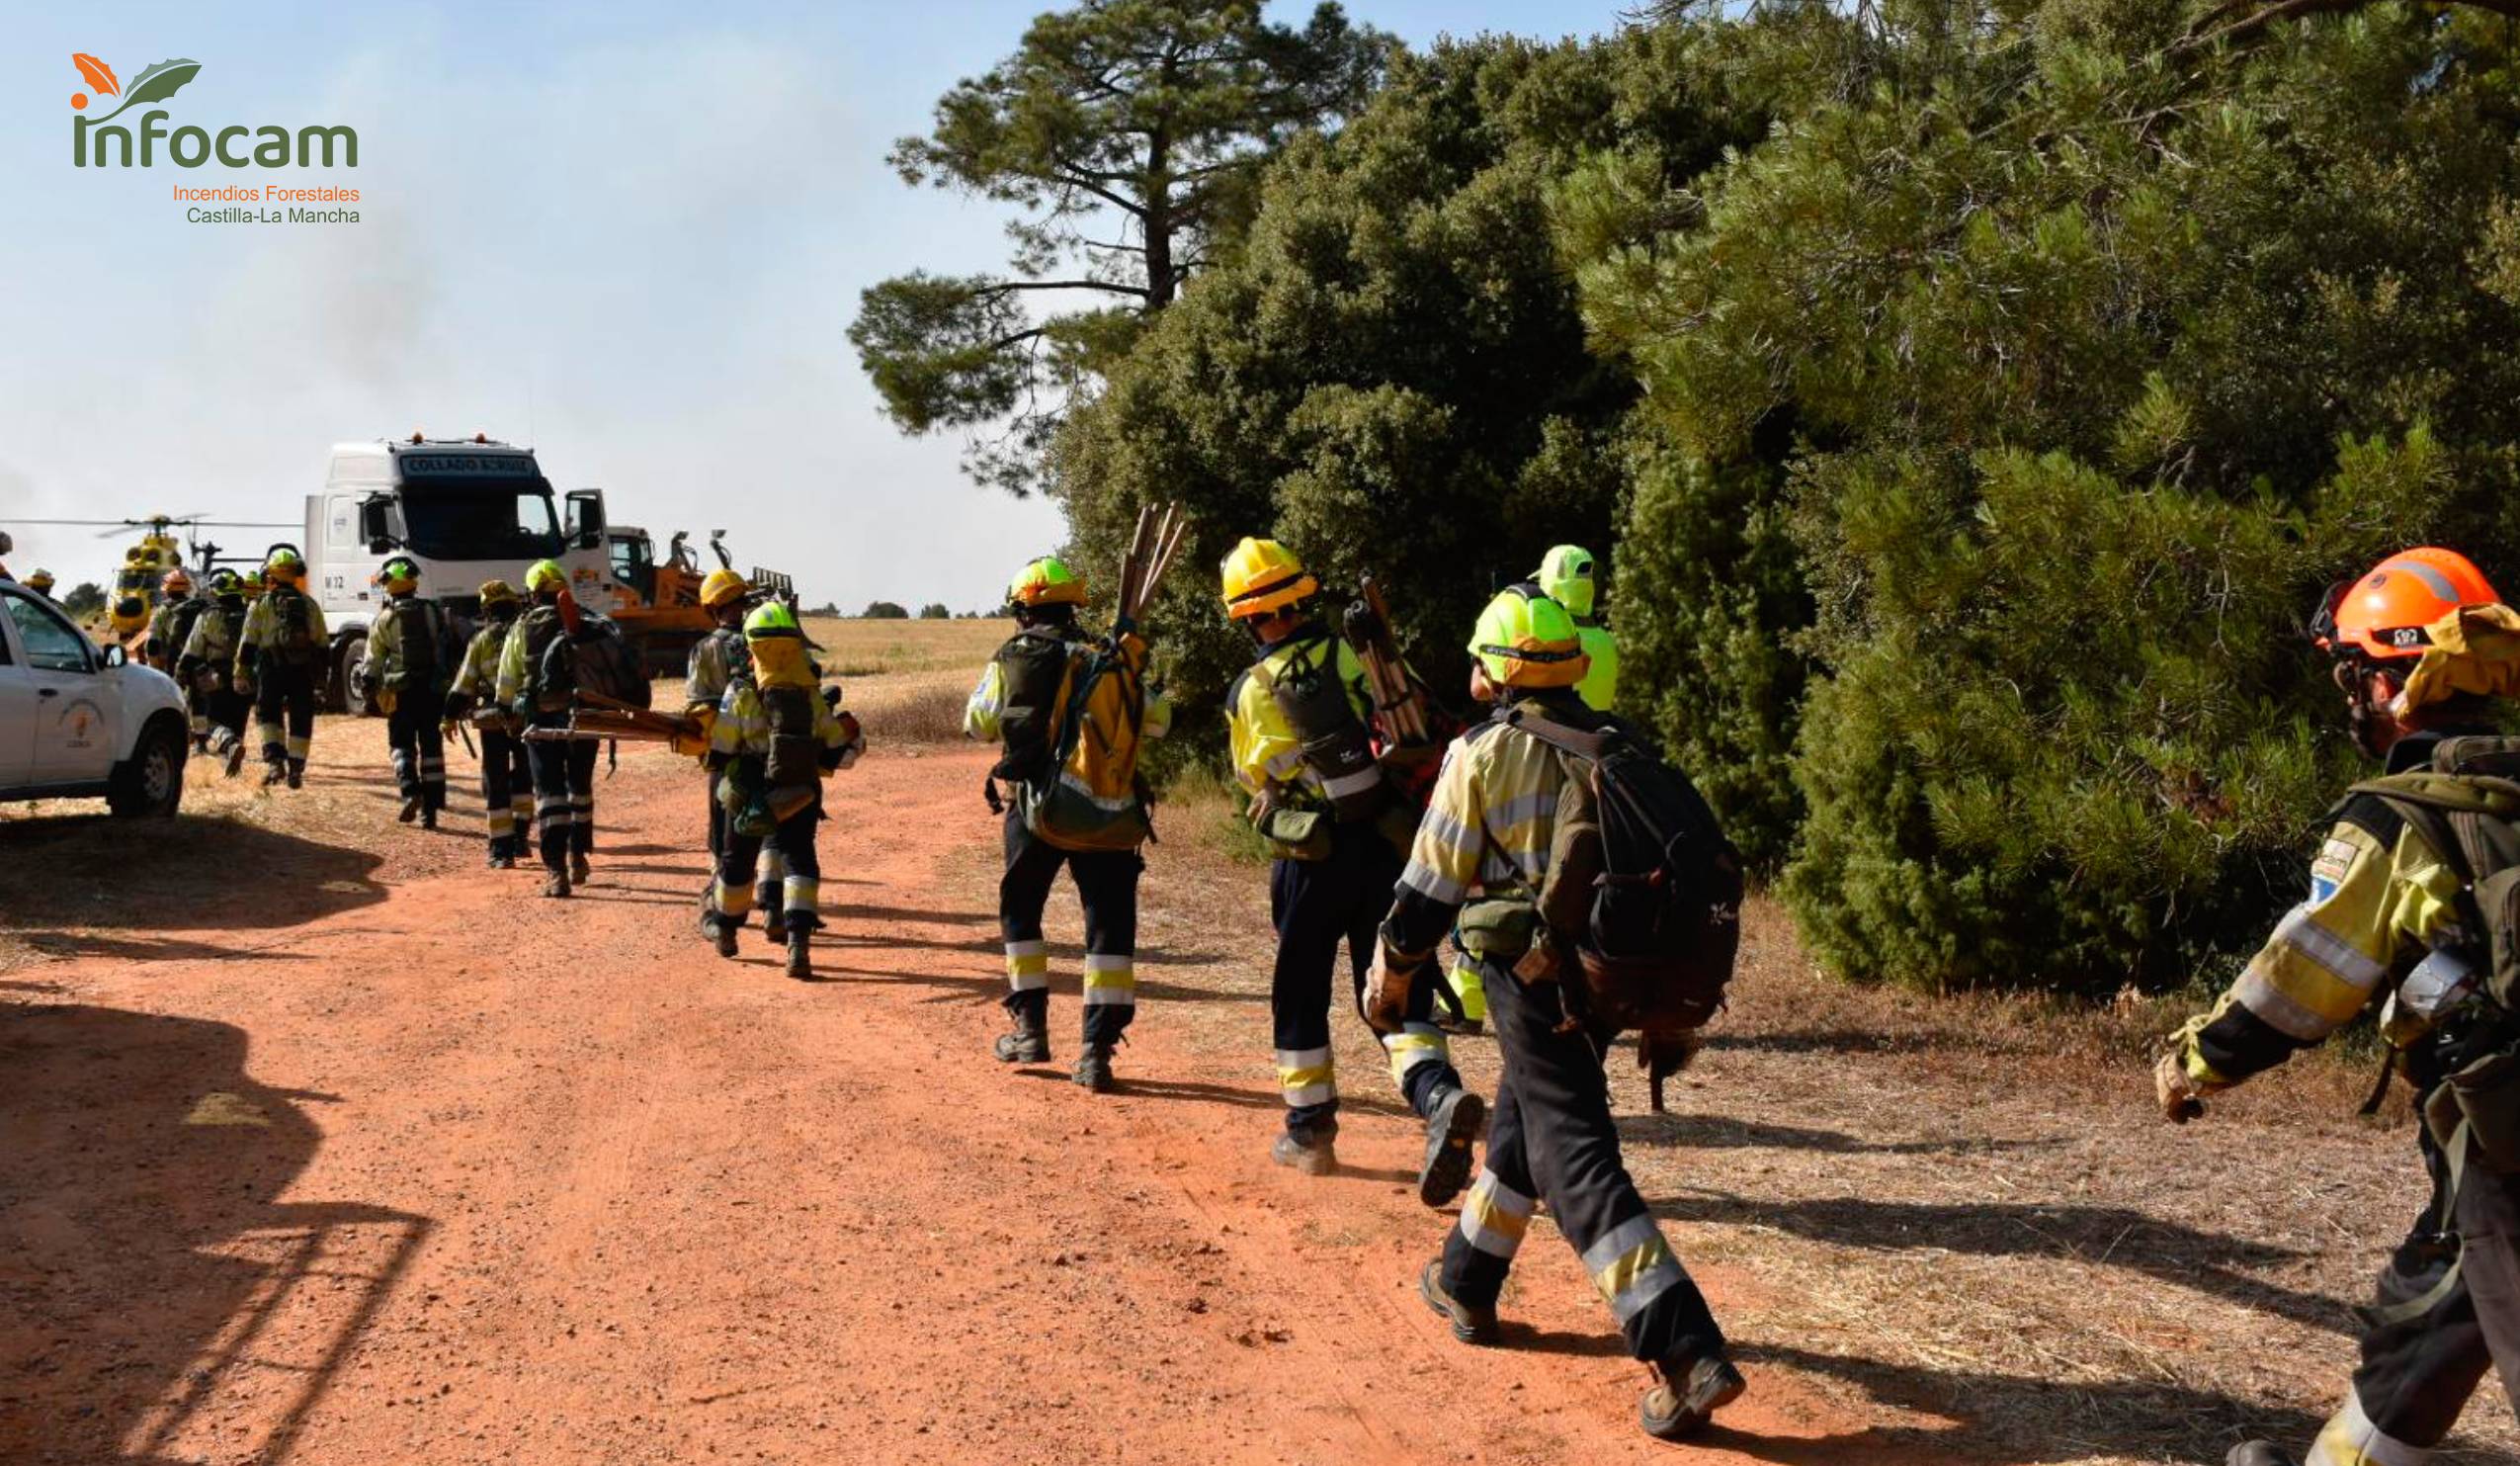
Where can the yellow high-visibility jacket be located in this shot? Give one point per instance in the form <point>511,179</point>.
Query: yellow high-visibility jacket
<point>1267,755</point>
<point>2378,898</point>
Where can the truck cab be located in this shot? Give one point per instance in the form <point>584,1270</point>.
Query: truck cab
<point>469,510</point>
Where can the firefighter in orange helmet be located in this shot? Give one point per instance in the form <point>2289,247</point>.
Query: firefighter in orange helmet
<point>2422,646</point>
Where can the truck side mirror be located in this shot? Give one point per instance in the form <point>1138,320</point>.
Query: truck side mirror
<point>586,518</point>
<point>373,526</point>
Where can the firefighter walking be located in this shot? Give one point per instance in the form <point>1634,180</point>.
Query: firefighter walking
<point>564,769</point>
<point>2400,909</point>
<point>407,676</point>
<point>207,668</point>
<point>775,737</point>
<point>507,781</point>
<point>280,660</point>
<point>1017,704</point>
<point>718,661</point>
<point>170,627</point>
<point>1300,745</point>
<point>1489,831</point>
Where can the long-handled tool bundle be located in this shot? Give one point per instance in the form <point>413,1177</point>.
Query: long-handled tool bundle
<point>1400,699</point>
<point>1150,553</point>
<point>609,718</point>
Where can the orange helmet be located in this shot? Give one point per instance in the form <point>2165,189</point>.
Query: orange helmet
<point>2383,615</point>
<point>176,583</point>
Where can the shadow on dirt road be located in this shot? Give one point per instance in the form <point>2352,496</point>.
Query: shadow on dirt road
<point>66,885</point>
<point>151,1281</point>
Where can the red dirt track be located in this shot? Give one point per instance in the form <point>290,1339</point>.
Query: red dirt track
<point>462,1175</point>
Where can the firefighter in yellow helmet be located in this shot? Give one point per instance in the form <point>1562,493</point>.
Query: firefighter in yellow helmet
<point>777,735</point>
<point>408,672</point>
<point>1301,748</point>
<point>1016,703</point>
<point>2399,911</point>
<point>507,780</point>
<point>41,582</point>
<point>207,668</point>
<point>280,662</point>
<point>1480,855</point>
<point>564,769</point>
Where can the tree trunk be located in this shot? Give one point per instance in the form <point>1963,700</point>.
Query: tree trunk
<point>1157,222</point>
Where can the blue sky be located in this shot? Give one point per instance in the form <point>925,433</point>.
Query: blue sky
<point>631,234</point>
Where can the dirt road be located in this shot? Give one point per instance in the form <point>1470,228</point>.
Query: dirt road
<point>462,1175</point>
<point>408,1165</point>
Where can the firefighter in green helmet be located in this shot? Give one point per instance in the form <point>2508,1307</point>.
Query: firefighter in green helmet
<point>409,648</point>
<point>1479,862</point>
<point>777,735</point>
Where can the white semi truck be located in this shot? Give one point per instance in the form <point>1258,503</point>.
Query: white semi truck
<point>469,510</point>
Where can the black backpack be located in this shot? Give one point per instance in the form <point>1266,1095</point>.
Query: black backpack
<point>295,612</point>
<point>1642,898</point>
<point>595,658</point>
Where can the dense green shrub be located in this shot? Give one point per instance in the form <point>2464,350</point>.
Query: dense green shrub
<point>2093,364</point>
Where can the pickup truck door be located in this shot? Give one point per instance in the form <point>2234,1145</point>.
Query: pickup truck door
<point>77,707</point>
<point>17,711</point>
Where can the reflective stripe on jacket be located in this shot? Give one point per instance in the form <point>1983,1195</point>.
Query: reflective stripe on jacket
<point>1264,747</point>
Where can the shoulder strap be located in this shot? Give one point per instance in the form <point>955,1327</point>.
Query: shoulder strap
<point>1590,747</point>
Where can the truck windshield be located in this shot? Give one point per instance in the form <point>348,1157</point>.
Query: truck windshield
<point>481,519</point>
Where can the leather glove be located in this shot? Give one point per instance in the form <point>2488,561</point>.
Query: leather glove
<point>1386,989</point>
<point>2177,1092</point>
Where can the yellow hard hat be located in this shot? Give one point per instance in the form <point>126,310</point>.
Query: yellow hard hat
<point>1261,576</point>
<point>41,579</point>
<point>284,564</point>
<point>498,593</point>
<point>1046,581</point>
<point>546,576</point>
<point>722,586</point>
<point>1526,639</point>
<point>1569,576</point>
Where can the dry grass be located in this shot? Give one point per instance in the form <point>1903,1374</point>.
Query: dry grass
<point>1960,1219</point>
<point>855,649</point>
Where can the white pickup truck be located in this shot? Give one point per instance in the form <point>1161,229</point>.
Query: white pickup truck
<point>77,721</point>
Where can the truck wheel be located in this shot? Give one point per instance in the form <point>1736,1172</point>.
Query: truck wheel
<point>345,687</point>
<point>151,781</point>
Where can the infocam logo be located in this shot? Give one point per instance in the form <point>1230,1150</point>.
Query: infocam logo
<point>100,142</point>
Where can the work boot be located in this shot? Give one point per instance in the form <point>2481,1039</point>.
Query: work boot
<point>1311,1156</point>
<point>428,817</point>
<point>1469,1325</point>
<point>1672,1412</point>
<point>201,744</point>
<point>775,918</point>
<point>274,772</point>
<point>1028,1042</point>
<point>1093,1069</point>
<point>800,954</point>
<point>722,930</point>
<point>579,869</point>
<point>2257,1454</point>
<point>1449,1131</point>
<point>410,808</point>
<point>235,760</point>
<point>296,773</point>
<point>556,884</point>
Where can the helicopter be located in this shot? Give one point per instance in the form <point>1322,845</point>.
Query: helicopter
<point>136,589</point>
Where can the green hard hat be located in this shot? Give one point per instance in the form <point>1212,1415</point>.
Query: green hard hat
<point>1568,575</point>
<point>771,619</point>
<point>1526,639</point>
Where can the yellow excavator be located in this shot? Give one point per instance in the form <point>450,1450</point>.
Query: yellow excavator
<point>657,600</point>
